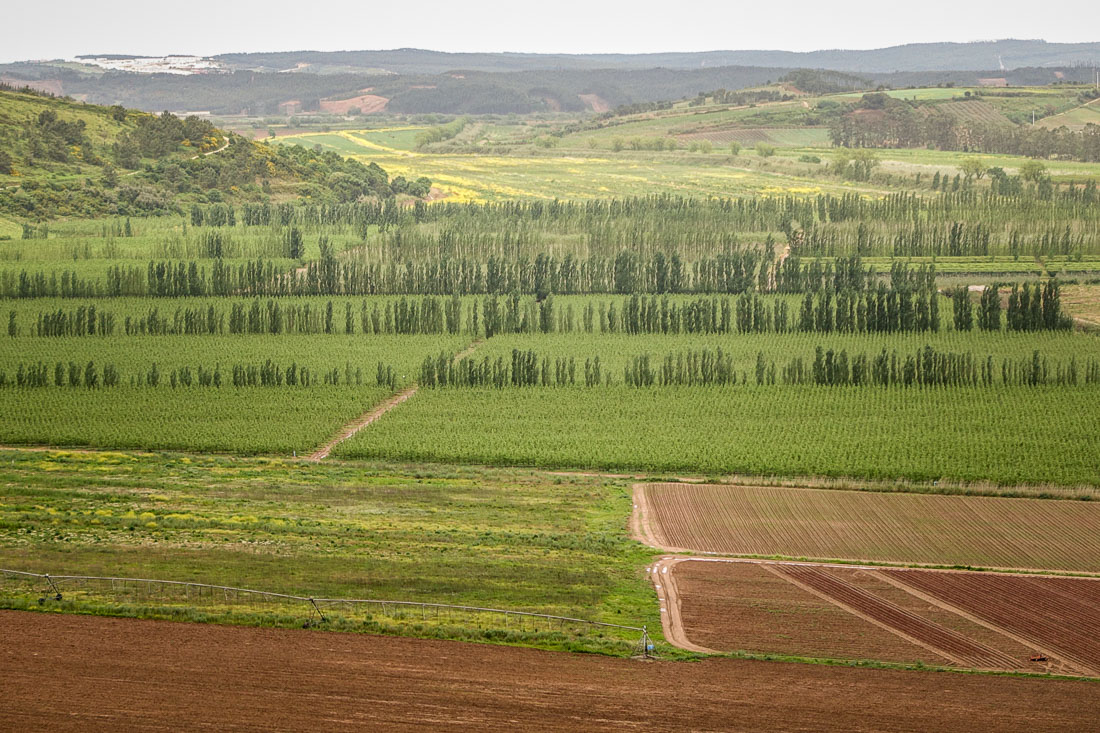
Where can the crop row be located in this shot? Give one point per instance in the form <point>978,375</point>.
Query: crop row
<point>1003,434</point>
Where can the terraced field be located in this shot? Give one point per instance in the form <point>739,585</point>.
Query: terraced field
<point>867,526</point>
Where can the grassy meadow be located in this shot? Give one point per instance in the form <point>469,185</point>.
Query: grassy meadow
<point>465,536</point>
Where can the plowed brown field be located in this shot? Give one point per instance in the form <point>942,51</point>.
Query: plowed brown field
<point>974,620</point>
<point>63,673</point>
<point>743,607</point>
<point>1060,615</point>
<point>865,604</point>
<point>869,526</point>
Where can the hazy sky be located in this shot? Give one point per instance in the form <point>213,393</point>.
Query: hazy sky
<point>152,27</point>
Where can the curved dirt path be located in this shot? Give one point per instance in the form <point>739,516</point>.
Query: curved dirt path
<point>672,622</point>
<point>371,416</point>
<point>194,157</point>
<point>211,152</point>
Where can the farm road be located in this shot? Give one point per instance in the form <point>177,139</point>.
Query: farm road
<point>374,414</point>
<point>668,598</point>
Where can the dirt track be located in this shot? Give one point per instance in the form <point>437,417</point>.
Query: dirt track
<point>366,419</point>
<point>668,598</point>
<point>64,673</point>
<point>361,422</point>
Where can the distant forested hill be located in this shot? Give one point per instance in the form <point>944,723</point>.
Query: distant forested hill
<point>1008,54</point>
<point>417,81</point>
<point>464,92</point>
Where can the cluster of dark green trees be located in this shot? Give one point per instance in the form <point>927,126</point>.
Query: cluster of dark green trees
<point>40,374</point>
<point>894,123</point>
<point>881,310</point>
<point>330,276</point>
<point>267,374</point>
<point>155,136</point>
<point>931,368</point>
<point>81,321</point>
<point>166,154</point>
<point>1030,308</point>
<point>908,303</point>
<point>427,315</point>
<point>927,367</point>
<point>53,138</point>
<point>701,367</point>
<point>526,369</point>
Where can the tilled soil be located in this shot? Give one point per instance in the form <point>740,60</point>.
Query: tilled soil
<point>1056,614</point>
<point>865,604</point>
<point>742,606</point>
<point>868,526</point>
<point>87,673</point>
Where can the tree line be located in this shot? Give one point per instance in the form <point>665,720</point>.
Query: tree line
<point>267,374</point>
<point>926,367</point>
<point>908,303</point>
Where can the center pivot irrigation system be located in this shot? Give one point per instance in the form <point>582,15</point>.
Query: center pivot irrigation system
<point>53,587</point>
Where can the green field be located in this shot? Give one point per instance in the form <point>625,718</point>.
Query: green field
<point>1010,435</point>
<point>1086,114</point>
<point>584,166</point>
<point>504,539</point>
<point>255,419</point>
<point>578,174</point>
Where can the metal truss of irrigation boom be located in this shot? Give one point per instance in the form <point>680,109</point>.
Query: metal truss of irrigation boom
<point>315,606</point>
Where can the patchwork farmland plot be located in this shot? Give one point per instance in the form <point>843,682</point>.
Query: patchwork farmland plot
<point>743,606</point>
<point>954,646</point>
<point>944,618</point>
<point>1061,615</point>
<point>870,526</point>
